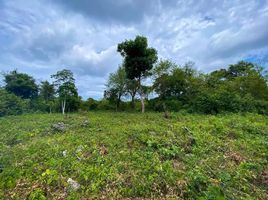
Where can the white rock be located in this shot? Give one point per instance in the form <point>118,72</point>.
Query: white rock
<point>59,127</point>
<point>64,153</point>
<point>85,123</point>
<point>79,149</point>
<point>73,184</point>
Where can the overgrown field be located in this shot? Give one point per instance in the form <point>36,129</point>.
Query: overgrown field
<point>128,156</point>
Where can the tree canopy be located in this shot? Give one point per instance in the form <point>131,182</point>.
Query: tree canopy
<point>138,58</point>
<point>47,91</point>
<point>116,86</point>
<point>21,84</point>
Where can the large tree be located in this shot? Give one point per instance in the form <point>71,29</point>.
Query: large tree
<point>248,78</point>
<point>47,93</point>
<point>66,89</point>
<point>132,88</point>
<point>21,84</point>
<point>138,60</point>
<point>47,90</point>
<point>116,86</point>
<point>174,82</point>
<point>242,78</point>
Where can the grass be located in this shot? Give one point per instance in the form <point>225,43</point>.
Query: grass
<point>128,156</point>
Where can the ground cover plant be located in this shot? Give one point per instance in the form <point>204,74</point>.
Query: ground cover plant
<point>102,155</point>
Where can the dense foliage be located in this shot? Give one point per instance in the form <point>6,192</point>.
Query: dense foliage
<point>21,84</point>
<point>134,156</point>
<point>21,94</point>
<point>240,88</point>
<point>10,104</point>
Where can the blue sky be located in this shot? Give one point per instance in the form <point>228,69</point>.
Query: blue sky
<point>41,37</point>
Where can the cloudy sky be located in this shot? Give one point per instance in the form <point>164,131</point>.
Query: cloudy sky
<point>44,36</point>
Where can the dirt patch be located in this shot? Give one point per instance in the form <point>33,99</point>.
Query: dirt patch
<point>262,179</point>
<point>232,135</point>
<point>236,157</point>
<point>177,165</point>
<point>103,150</point>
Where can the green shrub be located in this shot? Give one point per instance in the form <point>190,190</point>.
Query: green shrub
<point>261,107</point>
<point>169,104</point>
<point>10,104</point>
<point>105,105</point>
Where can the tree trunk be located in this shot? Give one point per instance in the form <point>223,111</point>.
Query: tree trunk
<point>141,96</point>
<point>133,101</point>
<point>63,104</point>
<point>142,104</point>
<point>118,102</point>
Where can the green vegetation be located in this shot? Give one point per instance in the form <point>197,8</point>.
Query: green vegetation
<point>10,104</point>
<point>124,155</point>
<point>21,84</point>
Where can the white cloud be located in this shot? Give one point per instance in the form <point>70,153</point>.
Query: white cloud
<point>85,60</point>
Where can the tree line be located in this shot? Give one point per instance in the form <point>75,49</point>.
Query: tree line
<point>241,87</point>
<point>22,94</point>
<point>142,81</point>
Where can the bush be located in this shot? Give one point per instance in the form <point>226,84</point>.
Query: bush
<point>105,105</point>
<point>39,104</point>
<point>261,107</point>
<point>10,104</point>
<point>217,101</point>
<point>89,104</point>
<point>170,104</point>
